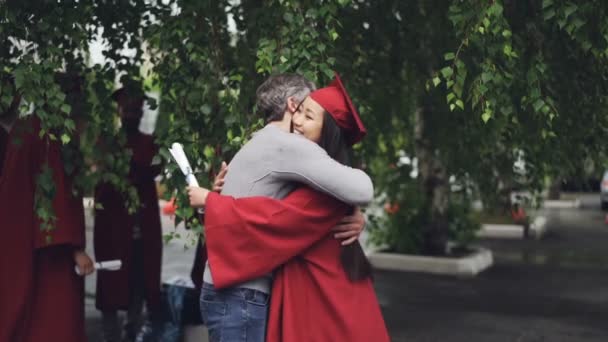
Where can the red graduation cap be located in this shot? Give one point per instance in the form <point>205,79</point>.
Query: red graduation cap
<point>335,100</point>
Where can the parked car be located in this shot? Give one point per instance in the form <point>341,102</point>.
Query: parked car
<point>604,191</point>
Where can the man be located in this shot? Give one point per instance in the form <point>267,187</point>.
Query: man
<point>271,164</point>
<point>37,266</point>
<point>135,239</point>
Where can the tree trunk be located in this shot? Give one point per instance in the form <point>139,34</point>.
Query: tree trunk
<point>504,188</point>
<point>554,192</point>
<point>434,181</point>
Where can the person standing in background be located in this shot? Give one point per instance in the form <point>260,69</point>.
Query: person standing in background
<point>136,239</point>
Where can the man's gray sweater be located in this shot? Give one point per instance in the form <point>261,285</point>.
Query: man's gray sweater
<point>273,162</point>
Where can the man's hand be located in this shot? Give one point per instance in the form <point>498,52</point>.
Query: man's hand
<point>350,227</point>
<point>218,182</point>
<point>83,262</point>
<point>197,196</point>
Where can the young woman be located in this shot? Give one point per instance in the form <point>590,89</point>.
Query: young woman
<point>321,290</point>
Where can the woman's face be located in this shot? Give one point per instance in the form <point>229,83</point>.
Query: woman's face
<point>308,120</point>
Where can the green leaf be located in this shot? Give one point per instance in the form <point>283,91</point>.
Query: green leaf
<point>206,109</point>
<point>578,22</point>
<point>571,8</point>
<point>538,104</point>
<point>486,116</point>
<point>547,3</point>
<point>436,81</point>
<point>496,9</point>
<point>65,139</point>
<point>328,72</point>
<point>19,78</point>
<point>66,108</point>
<point>236,77</point>
<point>482,88</point>
<point>549,14</point>
<point>487,77</point>
<point>449,56</point>
<point>447,72</point>
<point>288,17</point>
<point>586,46</point>
<point>69,124</point>
<point>460,104</point>
<point>209,152</point>
<point>535,93</point>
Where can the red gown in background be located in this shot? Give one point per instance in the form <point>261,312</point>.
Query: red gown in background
<point>113,235</point>
<point>3,144</point>
<point>312,298</point>
<point>41,297</point>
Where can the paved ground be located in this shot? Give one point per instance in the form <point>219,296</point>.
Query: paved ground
<point>552,290</point>
<point>555,289</point>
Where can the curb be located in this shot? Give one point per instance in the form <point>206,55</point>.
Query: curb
<point>468,266</point>
<point>562,204</point>
<point>538,229</point>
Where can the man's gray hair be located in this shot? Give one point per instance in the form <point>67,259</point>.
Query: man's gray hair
<point>272,95</point>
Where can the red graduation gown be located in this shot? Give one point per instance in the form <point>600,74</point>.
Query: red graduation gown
<point>3,144</point>
<point>312,297</point>
<point>41,296</point>
<point>113,234</point>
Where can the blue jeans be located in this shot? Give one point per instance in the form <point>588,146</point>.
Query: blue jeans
<point>234,314</point>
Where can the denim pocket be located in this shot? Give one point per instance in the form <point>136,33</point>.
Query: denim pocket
<point>213,310</point>
<point>213,304</point>
<point>256,297</point>
<point>257,314</point>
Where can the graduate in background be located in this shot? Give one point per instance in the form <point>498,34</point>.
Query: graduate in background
<point>135,239</point>
<point>38,279</point>
<point>3,145</point>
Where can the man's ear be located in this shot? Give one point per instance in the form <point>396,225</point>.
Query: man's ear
<point>292,105</point>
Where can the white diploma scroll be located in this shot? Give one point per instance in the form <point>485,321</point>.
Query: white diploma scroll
<point>110,265</point>
<point>177,151</point>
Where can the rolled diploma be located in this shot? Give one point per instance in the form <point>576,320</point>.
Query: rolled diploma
<point>191,180</point>
<point>110,265</point>
<point>178,154</point>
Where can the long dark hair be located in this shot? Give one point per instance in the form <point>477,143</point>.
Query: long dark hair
<point>333,140</point>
